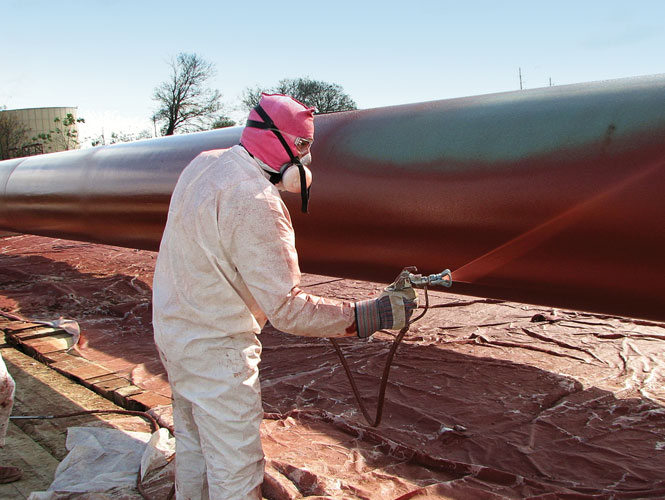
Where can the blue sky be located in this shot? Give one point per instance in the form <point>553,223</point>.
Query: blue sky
<point>106,57</point>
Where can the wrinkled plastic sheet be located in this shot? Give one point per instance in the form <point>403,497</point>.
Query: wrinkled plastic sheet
<point>108,462</point>
<point>486,399</point>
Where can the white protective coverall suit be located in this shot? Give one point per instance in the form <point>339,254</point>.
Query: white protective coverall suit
<point>7,388</point>
<point>227,262</point>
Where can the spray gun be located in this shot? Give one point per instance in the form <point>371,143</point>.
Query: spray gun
<point>408,278</point>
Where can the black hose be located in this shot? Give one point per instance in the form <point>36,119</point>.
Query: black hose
<point>153,423</point>
<point>386,370</point>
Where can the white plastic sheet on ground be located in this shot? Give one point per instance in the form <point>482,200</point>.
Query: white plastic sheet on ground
<point>104,460</point>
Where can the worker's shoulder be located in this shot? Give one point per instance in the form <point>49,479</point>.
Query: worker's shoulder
<point>200,163</point>
<point>232,171</point>
<point>206,163</point>
<point>210,156</point>
<point>235,155</point>
<point>214,153</point>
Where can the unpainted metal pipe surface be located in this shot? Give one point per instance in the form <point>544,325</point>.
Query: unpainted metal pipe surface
<point>552,196</point>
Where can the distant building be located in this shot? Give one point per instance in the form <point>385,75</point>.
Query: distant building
<point>42,121</point>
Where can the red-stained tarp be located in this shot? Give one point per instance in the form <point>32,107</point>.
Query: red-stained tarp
<point>487,399</point>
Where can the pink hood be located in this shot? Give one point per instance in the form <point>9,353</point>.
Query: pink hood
<point>292,118</point>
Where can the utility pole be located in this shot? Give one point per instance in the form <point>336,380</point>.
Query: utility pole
<point>520,71</point>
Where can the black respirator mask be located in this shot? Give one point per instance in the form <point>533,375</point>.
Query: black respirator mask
<point>286,173</point>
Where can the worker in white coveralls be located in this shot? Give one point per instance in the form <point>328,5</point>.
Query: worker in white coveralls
<point>7,474</point>
<point>227,263</point>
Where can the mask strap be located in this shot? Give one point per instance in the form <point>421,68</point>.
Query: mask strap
<point>268,124</point>
<point>274,177</point>
<point>304,190</point>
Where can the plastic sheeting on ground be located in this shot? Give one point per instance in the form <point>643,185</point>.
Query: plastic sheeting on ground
<point>487,399</point>
<point>109,461</point>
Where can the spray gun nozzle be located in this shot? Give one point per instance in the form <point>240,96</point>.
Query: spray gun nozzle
<point>409,278</point>
<point>444,278</point>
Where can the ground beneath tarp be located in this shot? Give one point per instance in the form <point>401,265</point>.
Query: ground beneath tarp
<point>487,399</point>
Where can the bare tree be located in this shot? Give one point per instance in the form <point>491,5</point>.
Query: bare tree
<point>185,102</point>
<point>325,97</point>
<point>13,135</point>
<point>251,96</point>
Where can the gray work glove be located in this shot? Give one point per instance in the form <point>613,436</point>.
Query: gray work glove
<point>390,310</point>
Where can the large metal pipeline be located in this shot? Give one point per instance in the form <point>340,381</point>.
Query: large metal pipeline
<point>552,196</point>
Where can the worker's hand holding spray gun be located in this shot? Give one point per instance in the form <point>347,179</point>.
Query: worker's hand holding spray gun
<point>392,309</point>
